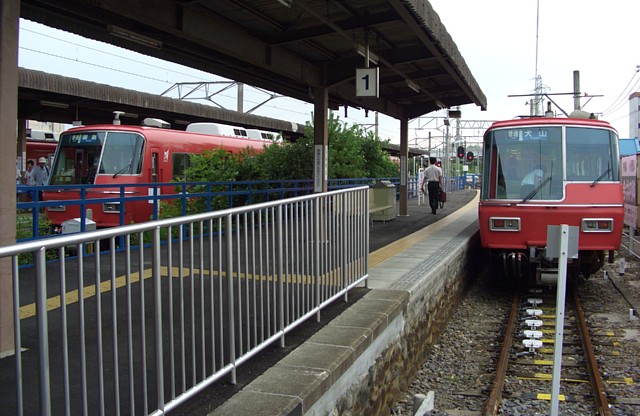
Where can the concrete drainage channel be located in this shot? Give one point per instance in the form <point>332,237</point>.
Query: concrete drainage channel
<point>361,361</point>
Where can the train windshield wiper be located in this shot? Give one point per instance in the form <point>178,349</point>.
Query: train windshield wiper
<point>601,177</point>
<point>536,189</point>
<point>123,170</point>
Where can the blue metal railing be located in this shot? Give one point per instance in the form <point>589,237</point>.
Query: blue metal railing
<point>32,222</point>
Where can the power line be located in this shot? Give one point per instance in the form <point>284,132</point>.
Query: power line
<point>274,107</point>
<point>108,54</point>
<point>91,64</point>
<point>147,77</point>
<point>623,94</point>
<point>623,103</point>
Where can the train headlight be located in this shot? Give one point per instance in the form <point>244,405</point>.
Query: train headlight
<point>597,225</point>
<point>504,224</point>
<point>57,208</point>
<point>111,207</point>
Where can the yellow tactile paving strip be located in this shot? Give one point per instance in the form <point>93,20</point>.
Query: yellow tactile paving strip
<point>409,241</point>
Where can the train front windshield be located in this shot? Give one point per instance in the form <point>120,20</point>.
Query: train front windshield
<point>82,156</point>
<point>532,163</point>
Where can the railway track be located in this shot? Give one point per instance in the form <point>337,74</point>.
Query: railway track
<point>481,366</point>
<point>526,365</point>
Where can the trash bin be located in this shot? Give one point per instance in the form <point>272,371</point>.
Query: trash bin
<point>382,201</point>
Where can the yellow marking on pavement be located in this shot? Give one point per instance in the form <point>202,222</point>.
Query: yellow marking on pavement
<point>409,241</point>
<point>71,297</point>
<point>375,258</point>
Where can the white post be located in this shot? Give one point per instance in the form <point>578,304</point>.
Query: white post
<point>560,298</point>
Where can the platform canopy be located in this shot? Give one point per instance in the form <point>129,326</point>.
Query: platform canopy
<point>289,46</point>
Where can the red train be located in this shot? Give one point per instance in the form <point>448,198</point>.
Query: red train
<point>37,148</point>
<point>550,171</point>
<point>132,155</point>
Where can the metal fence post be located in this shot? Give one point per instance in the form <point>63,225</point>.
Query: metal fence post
<point>43,332</point>
<point>316,251</point>
<point>157,294</point>
<point>281,297</point>
<point>228,233</point>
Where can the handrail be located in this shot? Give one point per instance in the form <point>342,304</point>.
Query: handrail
<point>186,301</point>
<point>244,192</point>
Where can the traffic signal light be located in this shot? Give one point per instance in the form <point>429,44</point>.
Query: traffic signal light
<point>439,164</point>
<point>461,152</point>
<point>470,156</point>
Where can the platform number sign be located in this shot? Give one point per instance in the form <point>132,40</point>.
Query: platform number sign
<point>367,80</point>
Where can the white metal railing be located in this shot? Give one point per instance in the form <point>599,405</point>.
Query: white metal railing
<point>185,301</point>
<point>630,241</point>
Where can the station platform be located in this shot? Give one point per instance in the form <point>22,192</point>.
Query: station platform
<point>398,246</point>
<point>362,356</point>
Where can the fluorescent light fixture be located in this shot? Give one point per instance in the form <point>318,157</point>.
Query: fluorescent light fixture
<point>134,37</point>
<point>54,104</point>
<point>285,3</point>
<point>362,51</point>
<point>415,87</point>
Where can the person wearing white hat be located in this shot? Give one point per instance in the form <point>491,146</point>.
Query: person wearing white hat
<point>40,174</point>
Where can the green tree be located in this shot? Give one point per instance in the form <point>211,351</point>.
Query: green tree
<point>353,153</point>
<point>286,161</point>
<point>215,165</point>
<point>378,161</point>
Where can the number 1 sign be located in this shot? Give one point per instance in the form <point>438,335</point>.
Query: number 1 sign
<point>367,82</point>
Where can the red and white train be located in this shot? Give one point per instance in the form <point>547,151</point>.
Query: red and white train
<point>138,156</point>
<point>550,171</point>
<point>37,148</point>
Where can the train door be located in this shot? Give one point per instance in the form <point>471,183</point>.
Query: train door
<point>85,166</point>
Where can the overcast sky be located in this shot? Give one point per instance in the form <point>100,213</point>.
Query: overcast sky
<point>496,38</point>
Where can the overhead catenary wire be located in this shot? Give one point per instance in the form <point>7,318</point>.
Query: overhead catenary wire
<point>624,94</point>
<point>295,109</point>
<point>140,62</point>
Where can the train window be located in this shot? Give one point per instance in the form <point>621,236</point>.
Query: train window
<point>75,157</point>
<point>591,154</point>
<point>516,152</point>
<point>154,167</point>
<point>240,132</point>
<point>122,154</point>
<point>180,162</point>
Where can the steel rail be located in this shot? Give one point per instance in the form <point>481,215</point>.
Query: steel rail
<point>600,395</point>
<point>493,403</point>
